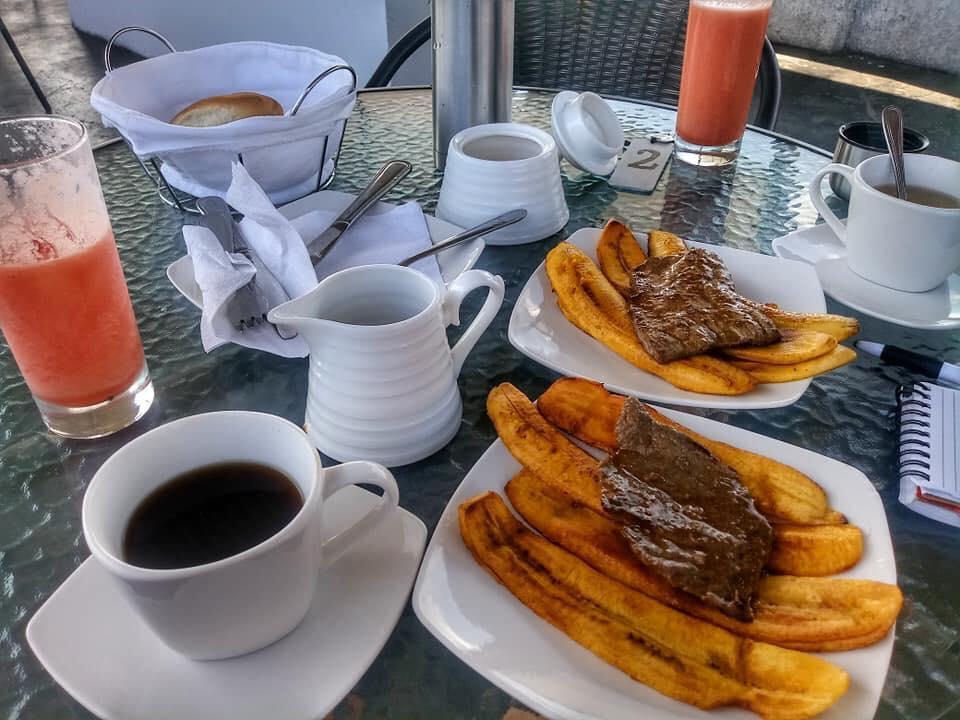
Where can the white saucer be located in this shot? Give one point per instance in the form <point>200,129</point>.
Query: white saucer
<point>93,644</point>
<point>452,262</point>
<point>938,309</point>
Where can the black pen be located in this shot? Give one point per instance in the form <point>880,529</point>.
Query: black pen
<point>931,367</point>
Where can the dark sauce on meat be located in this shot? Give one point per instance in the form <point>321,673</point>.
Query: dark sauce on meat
<point>687,304</point>
<point>685,514</point>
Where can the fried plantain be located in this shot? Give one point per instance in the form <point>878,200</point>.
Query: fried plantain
<point>593,305</point>
<point>587,411</point>
<point>838,326</point>
<point>765,373</point>
<point>661,242</point>
<point>795,346</point>
<point>618,253</point>
<point>544,450</point>
<point>539,446</point>
<point>677,655</point>
<point>812,614</point>
<point>815,550</point>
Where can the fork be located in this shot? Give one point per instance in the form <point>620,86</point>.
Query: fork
<point>248,308</point>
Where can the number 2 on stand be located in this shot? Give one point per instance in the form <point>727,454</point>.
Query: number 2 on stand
<point>641,165</point>
<point>646,161</point>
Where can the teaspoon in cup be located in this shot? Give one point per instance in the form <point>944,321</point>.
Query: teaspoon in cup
<point>892,121</point>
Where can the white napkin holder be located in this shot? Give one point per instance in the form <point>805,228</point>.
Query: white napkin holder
<point>289,155</point>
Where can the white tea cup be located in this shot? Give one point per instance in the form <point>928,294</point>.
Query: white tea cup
<point>246,601</point>
<point>897,243</point>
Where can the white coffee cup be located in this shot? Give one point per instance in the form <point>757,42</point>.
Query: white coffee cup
<point>896,243</point>
<point>247,601</point>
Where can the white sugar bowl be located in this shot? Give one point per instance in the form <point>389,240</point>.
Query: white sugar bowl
<point>499,167</point>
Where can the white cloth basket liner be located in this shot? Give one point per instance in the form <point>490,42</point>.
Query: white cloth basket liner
<point>282,153</point>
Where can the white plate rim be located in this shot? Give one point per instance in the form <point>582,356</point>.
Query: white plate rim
<point>764,397</point>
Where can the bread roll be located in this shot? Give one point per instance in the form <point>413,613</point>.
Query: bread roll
<point>221,109</point>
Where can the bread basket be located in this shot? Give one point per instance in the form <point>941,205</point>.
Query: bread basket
<point>289,155</point>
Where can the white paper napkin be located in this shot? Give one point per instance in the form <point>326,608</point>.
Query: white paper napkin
<point>382,238</point>
<point>386,238</point>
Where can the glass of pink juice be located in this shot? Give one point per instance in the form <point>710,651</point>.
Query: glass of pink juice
<point>64,307</point>
<point>720,62</point>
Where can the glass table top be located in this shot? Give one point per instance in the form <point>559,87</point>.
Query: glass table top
<point>847,415</point>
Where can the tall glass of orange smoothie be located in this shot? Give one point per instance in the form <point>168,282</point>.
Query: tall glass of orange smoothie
<point>64,307</point>
<point>720,62</point>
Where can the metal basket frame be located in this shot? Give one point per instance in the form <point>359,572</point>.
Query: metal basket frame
<point>184,201</point>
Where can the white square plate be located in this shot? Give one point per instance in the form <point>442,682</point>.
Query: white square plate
<point>480,622</point>
<point>540,331</point>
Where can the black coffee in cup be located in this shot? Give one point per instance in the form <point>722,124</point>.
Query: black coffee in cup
<point>208,514</point>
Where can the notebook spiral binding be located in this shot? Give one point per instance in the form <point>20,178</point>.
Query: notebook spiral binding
<point>913,413</point>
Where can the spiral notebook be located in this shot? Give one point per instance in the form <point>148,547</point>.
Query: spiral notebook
<point>929,455</point>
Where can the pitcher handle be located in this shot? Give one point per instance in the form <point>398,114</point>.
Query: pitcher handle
<point>816,196</point>
<point>456,292</point>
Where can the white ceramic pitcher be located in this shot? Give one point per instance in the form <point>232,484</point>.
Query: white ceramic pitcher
<point>383,380</point>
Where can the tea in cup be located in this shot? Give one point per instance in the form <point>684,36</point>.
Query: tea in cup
<point>911,245</point>
<point>211,526</point>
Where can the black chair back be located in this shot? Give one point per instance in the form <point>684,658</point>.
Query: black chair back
<point>630,48</point>
<point>617,47</point>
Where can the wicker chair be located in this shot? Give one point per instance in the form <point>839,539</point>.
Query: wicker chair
<point>630,48</point>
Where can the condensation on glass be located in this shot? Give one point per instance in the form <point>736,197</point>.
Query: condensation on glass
<point>64,307</point>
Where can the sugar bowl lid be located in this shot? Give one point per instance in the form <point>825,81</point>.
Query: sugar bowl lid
<point>587,131</point>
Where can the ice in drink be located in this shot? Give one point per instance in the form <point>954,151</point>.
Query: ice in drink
<point>720,61</point>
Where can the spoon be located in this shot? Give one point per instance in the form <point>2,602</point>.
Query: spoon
<point>892,121</point>
<point>497,223</point>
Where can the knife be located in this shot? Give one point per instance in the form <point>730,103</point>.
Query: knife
<point>389,175</point>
